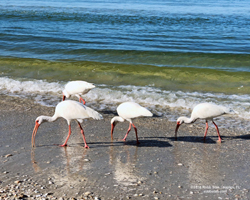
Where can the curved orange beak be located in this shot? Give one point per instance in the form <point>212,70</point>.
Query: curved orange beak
<point>112,130</point>
<point>34,134</point>
<point>176,129</point>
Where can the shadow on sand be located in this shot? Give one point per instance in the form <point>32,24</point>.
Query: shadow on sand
<point>195,139</point>
<point>143,143</point>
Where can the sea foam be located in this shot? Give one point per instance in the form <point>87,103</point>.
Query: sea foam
<point>163,103</point>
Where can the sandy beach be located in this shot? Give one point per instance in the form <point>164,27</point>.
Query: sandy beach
<point>158,168</point>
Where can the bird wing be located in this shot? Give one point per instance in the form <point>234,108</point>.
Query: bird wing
<point>78,87</point>
<point>208,110</point>
<point>129,110</point>
<point>70,110</point>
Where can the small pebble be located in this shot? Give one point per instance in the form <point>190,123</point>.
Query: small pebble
<point>16,182</point>
<point>87,193</point>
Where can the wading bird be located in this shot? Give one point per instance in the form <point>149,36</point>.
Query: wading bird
<point>77,88</point>
<point>69,110</point>
<point>206,111</point>
<point>128,111</point>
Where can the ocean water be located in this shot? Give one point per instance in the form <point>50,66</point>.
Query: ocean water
<point>166,55</point>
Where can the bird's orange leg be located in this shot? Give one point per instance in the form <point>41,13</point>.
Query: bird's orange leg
<point>219,140</point>
<point>65,143</point>
<point>82,132</point>
<point>136,134</point>
<point>129,128</point>
<point>81,99</point>
<point>205,132</point>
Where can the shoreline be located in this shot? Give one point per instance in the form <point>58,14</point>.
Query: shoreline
<point>158,168</point>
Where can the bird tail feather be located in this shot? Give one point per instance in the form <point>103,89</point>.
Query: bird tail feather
<point>92,113</point>
<point>147,113</point>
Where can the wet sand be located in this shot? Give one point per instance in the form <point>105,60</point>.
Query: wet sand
<point>158,168</point>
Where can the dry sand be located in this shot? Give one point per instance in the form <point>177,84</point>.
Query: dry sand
<point>158,168</point>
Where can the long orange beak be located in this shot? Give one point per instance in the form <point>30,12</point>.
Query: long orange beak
<point>64,97</point>
<point>34,134</point>
<point>176,129</point>
<point>112,130</point>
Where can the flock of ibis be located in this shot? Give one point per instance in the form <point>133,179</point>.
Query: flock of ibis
<point>73,110</point>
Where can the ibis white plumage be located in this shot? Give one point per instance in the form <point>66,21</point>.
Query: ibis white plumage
<point>77,88</point>
<point>128,111</point>
<point>69,110</point>
<point>206,111</point>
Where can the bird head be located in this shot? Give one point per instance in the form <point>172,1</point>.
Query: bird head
<point>65,94</point>
<point>180,121</point>
<point>113,122</point>
<point>38,122</point>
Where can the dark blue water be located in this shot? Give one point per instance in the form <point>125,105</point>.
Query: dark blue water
<point>72,30</point>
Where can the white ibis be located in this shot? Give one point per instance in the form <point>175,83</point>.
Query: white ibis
<point>77,88</point>
<point>128,111</point>
<point>206,111</point>
<point>69,110</point>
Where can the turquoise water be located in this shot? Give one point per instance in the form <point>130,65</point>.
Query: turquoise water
<point>165,55</point>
